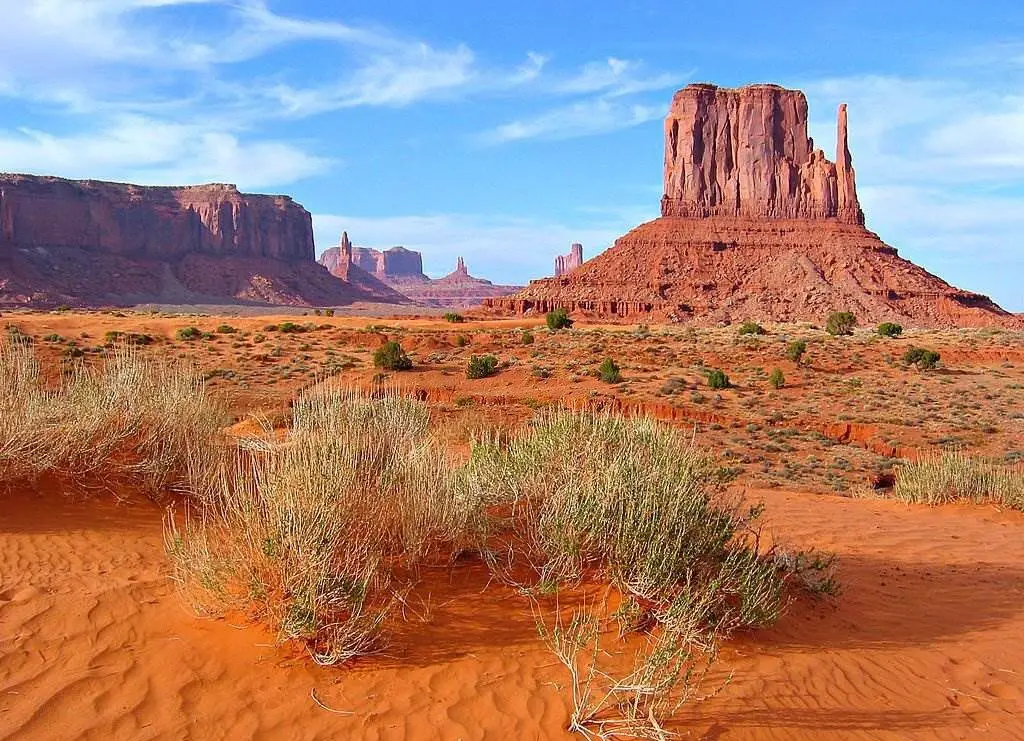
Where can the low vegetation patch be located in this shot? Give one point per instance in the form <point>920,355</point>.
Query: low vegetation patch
<point>921,358</point>
<point>558,319</point>
<point>390,356</point>
<point>889,329</point>
<point>841,323</point>
<point>751,328</point>
<point>454,317</point>
<point>609,371</point>
<point>956,476</point>
<point>717,379</point>
<point>776,378</point>
<point>481,366</point>
<point>796,350</point>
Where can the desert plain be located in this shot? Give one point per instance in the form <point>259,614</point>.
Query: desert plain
<point>918,637</point>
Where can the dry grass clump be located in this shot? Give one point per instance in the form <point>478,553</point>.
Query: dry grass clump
<point>127,416</point>
<point>954,476</point>
<point>317,535</point>
<point>630,501</point>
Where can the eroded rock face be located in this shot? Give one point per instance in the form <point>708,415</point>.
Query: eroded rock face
<point>395,263</point>
<point>567,263</point>
<point>757,224</point>
<point>151,222</point>
<point>98,243</point>
<point>745,152</point>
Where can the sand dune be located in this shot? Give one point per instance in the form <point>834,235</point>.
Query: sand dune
<point>95,643</point>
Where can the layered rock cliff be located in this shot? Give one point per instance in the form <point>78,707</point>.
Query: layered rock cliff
<point>567,263</point>
<point>91,242</point>
<point>746,153</point>
<point>756,224</point>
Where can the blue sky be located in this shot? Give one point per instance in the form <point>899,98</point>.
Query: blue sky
<point>504,131</point>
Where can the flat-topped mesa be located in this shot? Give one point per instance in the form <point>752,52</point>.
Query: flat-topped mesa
<point>151,222</point>
<point>567,263</point>
<point>745,152</point>
<point>394,263</point>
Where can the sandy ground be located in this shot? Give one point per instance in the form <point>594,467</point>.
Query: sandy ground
<point>924,641</point>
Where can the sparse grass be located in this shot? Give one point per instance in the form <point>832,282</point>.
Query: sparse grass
<point>955,475</point>
<point>144,419</point>
<point>318,536</point>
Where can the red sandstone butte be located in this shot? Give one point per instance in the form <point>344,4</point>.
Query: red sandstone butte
<point>97,243</point>
<point>402,270</point>
<point>756,224</point>
<point>567,263</point>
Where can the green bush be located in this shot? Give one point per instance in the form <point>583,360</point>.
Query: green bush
<point>132,338</point>
<point>481,366</point>
<point>888,329</point>
<point>795,350</point>
<point>751,328</point>
<point>390,356</point>
<point>609,371</point>
<point>328,312</point>
<point>454,318</point>
<point>188,333</point>
<point>777,379</point>
<point>841,323</point>
<point>921,357</point>
<point>292,328</point>
<point>526,337</point>
<point>717,379</point>
<point>226,329</point>
<point>461,340</point>
<point>558,319</point>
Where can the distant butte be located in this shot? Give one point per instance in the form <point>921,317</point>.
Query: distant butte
<point>756,224</point>
<point>402,270</point>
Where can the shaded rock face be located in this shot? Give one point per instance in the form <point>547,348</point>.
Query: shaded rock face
<point>98,243</point>
<point>152,222</point>
<point>567,263</point>
<point>756,224</point>
<point>746,153</point>
<point>397,262</point>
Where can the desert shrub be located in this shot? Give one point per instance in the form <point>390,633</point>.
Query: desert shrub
<point>751,328</point>
<point>390,356</point>
<point>954,475</point>
<point>454,317</point>
<point>526,338</point>
<point>889,329</point>
<point>328,312</point>
<point>717,379</point>
<point>481,366</point>
<point>128,338</point>
<point>921,357</point>
<point>558,319</point>
<point>795,350</point>
<point>292,328</point>
<point>776,378</point>
<point>609,371</point>
<point>312,534</point>
<point>270,327</point>
<point>188,334</point>
<point>226,329</point>
<point>53,337</point>
<point>144,419</point>
<point>840,323</point>
<point>461,340</point>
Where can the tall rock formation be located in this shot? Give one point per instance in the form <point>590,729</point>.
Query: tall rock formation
<point>567,263</point>
<point>92,242</point>
<point>746,153</point>
<point>756,224</point>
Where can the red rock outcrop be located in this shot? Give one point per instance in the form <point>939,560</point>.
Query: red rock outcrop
<point>756,224</point>
<point>91,242</point>
<point>567,263</point>
<point>401,269</point>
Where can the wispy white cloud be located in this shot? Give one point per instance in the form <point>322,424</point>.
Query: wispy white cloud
<point>155,152</point>
<point>585,118</point>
